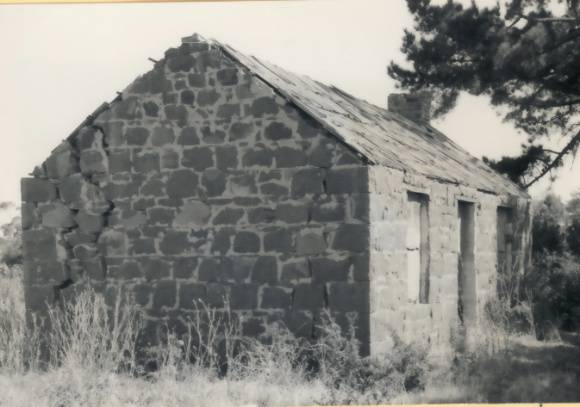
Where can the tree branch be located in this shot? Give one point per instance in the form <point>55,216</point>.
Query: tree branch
<point>556,104</point>
<point>556,161</point>
<point>550,19</point>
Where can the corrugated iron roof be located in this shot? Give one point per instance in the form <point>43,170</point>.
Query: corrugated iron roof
<point>381,137</point>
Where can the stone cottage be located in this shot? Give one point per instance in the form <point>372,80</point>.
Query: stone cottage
<point>217,175</point>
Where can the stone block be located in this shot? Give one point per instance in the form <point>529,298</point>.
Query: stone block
<point>360,207</point>
<point>160,216</point>
<point>128,270</point>
<point>146,161</point>
<point>40,271</point>
<point>325,269</point>
<point>93,162</point>
<point>174,242</point>
<point>153,187</point>
<point>188,137</point>
<point>265,270</point>
<point>253,327</point>
<point>85,251</point>
<point>278,240</point>
<point>217,295</point>
<point>228,76</point>
<point>185,267</point>
<point>194,213</point>
<point>274,190</point>
<point>352,237</point>
<point>333,211</point>
<point>353,180</point>
<point>39,298</point>
<point>307,181</point>
<point>187,97</point>
<point>180,63</point>
<point>165,294</point>
<point>207,97</point>
<point>242,267</point>
<point>86,138</point>
<point>287,157</point>
<point>142,294</point>
<point>244,296</point>
<point>265,105</point>
<point>39,245</point>
<point>360,265</point>
<point>89,223</point>
<point>29,216</point>
<point>169,159</point>
<point>37,190</point>
<point>162,136</point>
<point>322,154</point>
<point>214,181</point>
<point>241,131</point>
<point>61,162</point>
<point>114,133</point>
<point>228,111</point>
<point>137,136</point>
<point>57,216</point>
<point>276,298</point>
<point>71,188</point>
<point>261,215</point>
<point>300,323</point>
<point>112,243</point>
<point>228,216</point>
<point>308,297</point>
<point>119,161</point>
<point>154,268</point>
<point>181,184</point>
<point>151,108</point>
<point>216,269</point>
<point>222,241</point>
<point>191,295</point>
<point>292,213</point>
<point>349,297</point>
<point>196,80</point>
<point>296,270</point>
<point>143,246</point>
<point>210,135</point>
<point>177,113</point>
<point>277,131</point>
<point>226,157</point>
<point>246,242</point>
<point>308,127</point>
<point>258,156</point>
<point>132,220</point>
<point>310,243</point>
<point>198,158</point>
<point>128,109</point>
<point>242,185</point>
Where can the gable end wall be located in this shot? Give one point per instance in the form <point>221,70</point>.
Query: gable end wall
<point>202,182</point>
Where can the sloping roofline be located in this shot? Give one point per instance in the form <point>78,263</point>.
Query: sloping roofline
<point>376,135</point>
<point>380,137</point>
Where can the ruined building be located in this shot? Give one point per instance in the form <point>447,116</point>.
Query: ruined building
<point>217,174</point>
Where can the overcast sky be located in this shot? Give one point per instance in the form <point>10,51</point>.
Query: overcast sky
<point>60,62</point>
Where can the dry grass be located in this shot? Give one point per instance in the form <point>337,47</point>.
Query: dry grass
<point>92,361</point>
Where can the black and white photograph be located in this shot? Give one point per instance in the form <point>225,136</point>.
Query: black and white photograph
<point>289,203</point>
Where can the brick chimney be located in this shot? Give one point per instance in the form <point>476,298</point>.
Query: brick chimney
<point>414,106</point>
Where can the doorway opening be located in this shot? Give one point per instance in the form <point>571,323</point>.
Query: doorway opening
<point>467,296</point>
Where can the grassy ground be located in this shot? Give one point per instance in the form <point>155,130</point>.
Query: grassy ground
<point>526,371</point>
<point>522,369</point>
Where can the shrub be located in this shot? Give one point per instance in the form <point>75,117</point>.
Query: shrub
<point>351,378</point>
